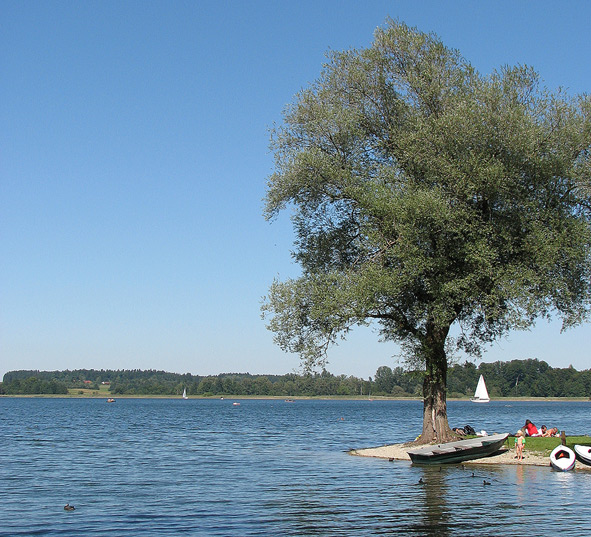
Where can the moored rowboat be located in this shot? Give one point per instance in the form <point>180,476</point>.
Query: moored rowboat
<point>583,453</point>
<point>562,458</point>
<point>460,451</point>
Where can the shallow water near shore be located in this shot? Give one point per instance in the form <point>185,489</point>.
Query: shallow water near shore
<point>268,468</point>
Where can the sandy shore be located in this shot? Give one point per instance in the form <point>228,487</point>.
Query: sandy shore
<point>507,456</point>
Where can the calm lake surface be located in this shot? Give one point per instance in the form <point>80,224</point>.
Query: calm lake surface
<point>269,468</point>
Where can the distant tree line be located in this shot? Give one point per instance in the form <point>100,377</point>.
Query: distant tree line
<point>518,378</point>
<point>523,378</point>
<point>33,385</point>
<point>151,382</point>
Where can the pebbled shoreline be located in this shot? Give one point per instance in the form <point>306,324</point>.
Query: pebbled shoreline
<point>505,456</point>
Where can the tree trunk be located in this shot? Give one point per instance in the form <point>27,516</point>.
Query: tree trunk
<point>435,425</point>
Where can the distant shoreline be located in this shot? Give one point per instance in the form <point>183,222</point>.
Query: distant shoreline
<point>288,397</point>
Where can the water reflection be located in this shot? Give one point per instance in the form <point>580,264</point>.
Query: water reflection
<point>521,492</point>
<point>201,468</point>
<point>451,495</point>
<point>435,517</point>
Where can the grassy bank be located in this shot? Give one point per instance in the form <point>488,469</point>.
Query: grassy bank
<point>544,446</point>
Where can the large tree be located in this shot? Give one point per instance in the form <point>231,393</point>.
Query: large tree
<point>425,197</point>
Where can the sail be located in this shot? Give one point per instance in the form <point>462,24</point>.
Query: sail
<point>481,393</point>
<point>185,394</point>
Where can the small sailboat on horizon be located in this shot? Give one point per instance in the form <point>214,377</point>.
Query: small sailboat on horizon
<point>481,393</point>
<point>185,394</point>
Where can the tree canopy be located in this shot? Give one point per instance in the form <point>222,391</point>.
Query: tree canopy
<point>425,195</point>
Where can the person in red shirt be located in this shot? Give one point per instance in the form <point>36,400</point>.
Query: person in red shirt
<point>530,429</point>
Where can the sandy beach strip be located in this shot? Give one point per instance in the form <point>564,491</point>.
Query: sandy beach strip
<point>505,456</point>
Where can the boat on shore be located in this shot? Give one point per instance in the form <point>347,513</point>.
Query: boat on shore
<point>562,458</point>
<point>583,453</point>
<point>459,451</point>
<point>481,393</point>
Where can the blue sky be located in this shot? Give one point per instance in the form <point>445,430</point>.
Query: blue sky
<point>134,157</point>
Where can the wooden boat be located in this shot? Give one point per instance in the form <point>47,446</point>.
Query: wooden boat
<point>459,451</point>
<point>481,393</point>
<point>583,453</point>
<point>562,458</point>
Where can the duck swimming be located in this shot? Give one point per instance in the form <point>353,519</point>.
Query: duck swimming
<point>69,507</point>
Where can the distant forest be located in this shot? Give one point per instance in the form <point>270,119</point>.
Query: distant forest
<point>518,378</point>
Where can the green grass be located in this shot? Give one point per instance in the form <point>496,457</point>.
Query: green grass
<point>545,445</point>
<point>103,391</point>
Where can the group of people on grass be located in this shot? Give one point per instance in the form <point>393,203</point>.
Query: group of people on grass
<point>529,429</point>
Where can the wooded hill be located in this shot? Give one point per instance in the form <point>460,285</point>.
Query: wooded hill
<point>518,378</point>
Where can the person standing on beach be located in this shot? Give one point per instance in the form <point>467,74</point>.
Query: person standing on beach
<point>519,444</point>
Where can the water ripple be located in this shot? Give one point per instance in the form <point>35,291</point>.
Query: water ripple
<point>170,467</point>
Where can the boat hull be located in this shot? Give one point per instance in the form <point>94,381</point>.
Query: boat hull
<point>562,458</point>
<point>460,451</point>
<point>583,453</point>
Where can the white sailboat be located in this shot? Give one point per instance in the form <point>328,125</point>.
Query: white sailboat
<point>481,393</point>
<point>185,394</point>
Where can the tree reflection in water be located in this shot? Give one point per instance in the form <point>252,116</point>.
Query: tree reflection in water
<point>435,517</point>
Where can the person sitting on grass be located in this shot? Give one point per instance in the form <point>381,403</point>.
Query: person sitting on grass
<point>519,444</point>
<point>530,429</point>
<point>546,433</point>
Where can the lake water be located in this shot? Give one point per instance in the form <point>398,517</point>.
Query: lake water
<point>269,468</point>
